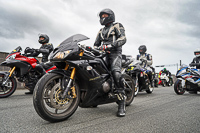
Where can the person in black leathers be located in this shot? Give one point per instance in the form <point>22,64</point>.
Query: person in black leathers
<point>112,37</point>
<point>196,60</point>
<point>45,50</point>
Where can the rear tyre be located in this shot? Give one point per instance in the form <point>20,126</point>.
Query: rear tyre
<point>48,102</point>
<point>9,88</point>
<point>178,88</point>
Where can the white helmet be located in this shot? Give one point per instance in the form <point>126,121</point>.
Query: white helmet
<point>197,52</point>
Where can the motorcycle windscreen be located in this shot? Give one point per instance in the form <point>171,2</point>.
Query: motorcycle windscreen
<point>18,49</point>
<point>75,38</point>
<point>69,44</point>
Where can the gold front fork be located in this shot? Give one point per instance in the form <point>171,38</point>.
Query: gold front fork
<point>73,73</point>
<point>69,83</point>
<point>11,71</point>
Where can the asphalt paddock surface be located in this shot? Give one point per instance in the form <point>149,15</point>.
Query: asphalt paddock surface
<point>160,112</point>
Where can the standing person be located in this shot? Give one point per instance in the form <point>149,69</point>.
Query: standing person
<point>147,61</point>
<point>112,37</point>
<point>45,50</point>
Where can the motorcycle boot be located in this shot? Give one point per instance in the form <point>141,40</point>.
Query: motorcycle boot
<point>121,105</point>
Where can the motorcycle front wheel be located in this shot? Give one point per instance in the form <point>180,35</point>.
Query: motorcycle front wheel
<point>129,89</point>
<point>178,88</point>
<point>163,82</point>
<point>48,102</point>
<point>9,88</point>
<point>136,86</point>
<point>150,88</point>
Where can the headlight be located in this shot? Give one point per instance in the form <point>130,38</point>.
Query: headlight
<point>62,55</point>
<point>12,57</point>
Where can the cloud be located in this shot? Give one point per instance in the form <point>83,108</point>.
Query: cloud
<point>169,28</point>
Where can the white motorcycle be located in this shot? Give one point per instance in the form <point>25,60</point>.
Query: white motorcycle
<point>165,80</point>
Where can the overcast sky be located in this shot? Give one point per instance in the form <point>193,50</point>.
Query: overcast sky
<point>169,28</point>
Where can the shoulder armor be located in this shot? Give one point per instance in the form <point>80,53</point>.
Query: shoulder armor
<point>49,44</point>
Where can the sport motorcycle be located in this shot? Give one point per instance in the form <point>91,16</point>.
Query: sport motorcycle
<point>166,80</point>
<point>188,79</point>
<point>140,77</point>
<point>22,68</point>
<point>82,79</point>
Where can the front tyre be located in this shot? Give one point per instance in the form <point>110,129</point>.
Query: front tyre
<point>9,88</point>
<point>150,88</point>
<point>163,82</point>
<point>48,102</point>
<point>129,89</point>
<point>178,88</point>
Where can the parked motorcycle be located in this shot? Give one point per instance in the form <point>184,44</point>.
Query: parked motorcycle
<point>140,77</point>
<point>82,79</point>
<point>22,69</point>
<point>166,80</point>
<point>187,80</point>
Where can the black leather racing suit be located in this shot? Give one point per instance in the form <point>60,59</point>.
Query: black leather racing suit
<point>114,34</point>
<point>196,62</point>
<point>45,49</point>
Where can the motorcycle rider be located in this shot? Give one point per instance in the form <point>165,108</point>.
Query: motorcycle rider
<point>195,62</point>
<point>196,59</point>
<point>167,72</point>
<point>45,49</point>
<point>146,61</point>
<point>112,37</point>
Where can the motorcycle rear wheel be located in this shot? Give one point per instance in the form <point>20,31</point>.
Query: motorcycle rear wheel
<point>48,102</point>
<point>178,88</point>
<point>9,88</point>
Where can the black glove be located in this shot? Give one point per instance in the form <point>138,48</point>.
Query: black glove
<point>28,50</point>
<point>37,50</point>
<point>143,60</point>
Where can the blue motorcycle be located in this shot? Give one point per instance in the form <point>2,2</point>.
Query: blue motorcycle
<point>140,77</point>
<point>188,79</point>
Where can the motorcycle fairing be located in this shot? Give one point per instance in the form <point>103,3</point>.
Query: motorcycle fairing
<point>22,66</point>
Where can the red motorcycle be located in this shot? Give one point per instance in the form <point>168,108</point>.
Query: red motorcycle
<point>22,68</point>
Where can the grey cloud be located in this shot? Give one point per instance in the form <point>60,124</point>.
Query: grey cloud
<point>14,22</point>
<point>190,15</point>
